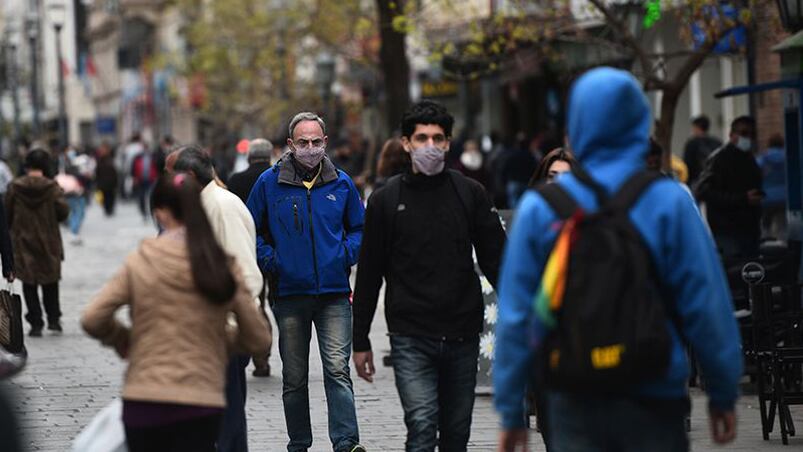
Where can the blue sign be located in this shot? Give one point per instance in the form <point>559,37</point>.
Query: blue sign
<point>733,41</point>
<point>106,125</point>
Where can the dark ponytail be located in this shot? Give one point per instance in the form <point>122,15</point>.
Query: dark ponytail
<point>211,273</point>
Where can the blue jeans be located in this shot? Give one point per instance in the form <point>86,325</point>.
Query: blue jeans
<point>77,210</point>
<point>332,321</point>
<point>233,436</point>
<point>436,381</point>
<point>586,423</point>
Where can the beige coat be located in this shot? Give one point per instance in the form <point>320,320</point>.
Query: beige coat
<point>179,342</point>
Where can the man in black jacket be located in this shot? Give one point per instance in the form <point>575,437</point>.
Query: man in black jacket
<point>419,232</point>
<point>730,186</point>
<point>259,153</point>
<point>698,147</point>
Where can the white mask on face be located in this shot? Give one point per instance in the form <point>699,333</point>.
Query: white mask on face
<point>745,144</point>
<point>471,160</point>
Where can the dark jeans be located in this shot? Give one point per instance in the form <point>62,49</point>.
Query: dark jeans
<point>585,423</point>
<point>143,192</point>
<point>332,319</point>
<point>109,200</point>
<point>50,297</point>
<point>194,435</point>
<point>234,430</point>
<point>436,381</point>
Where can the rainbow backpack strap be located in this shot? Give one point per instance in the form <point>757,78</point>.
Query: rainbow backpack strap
<point>549,297</point>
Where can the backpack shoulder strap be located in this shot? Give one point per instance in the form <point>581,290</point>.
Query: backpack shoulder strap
<point>561,202</point>
<point>632,189</point>
<point>392,200</point>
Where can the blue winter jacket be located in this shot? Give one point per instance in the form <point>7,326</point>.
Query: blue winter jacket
<point>309,239</point>
<point>609,123</point>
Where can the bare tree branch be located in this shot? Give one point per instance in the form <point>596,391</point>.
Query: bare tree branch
<point>624,34</point>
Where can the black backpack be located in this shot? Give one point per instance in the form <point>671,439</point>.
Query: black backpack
<point>611,330</point>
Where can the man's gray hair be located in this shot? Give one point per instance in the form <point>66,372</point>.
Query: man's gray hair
<point>193,158</point>
<point>259,149</point>
<point>305,116</point>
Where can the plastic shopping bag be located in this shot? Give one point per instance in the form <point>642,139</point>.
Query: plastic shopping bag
<point>105,433</point>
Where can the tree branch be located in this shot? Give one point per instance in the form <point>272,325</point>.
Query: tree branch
<point>624,34</point>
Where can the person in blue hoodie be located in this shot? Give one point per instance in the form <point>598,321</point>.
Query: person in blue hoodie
<point>608,125</point>
<point>773,169</point>
<point>309,221</point>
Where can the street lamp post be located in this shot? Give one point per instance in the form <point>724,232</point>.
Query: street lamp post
<point>33,32</point>
<point>57,14</point>
<point>11,76</point>
<point>325,76</point>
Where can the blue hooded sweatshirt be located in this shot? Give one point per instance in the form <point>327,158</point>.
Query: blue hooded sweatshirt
<point>609,123</point>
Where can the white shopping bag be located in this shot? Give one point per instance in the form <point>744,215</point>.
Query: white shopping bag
<point>105,433</point>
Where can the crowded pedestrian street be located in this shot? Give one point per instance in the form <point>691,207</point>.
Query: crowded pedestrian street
<point>68,378</point>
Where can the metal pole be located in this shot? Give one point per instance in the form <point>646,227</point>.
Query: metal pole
<point>63,138</point>
<point>34,85</point>
<point>15,99</point>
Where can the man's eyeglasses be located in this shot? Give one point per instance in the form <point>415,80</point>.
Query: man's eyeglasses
<point>303,143</point>
<point>438,139</point>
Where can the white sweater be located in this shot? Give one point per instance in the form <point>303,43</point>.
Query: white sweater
<point>235,231</point>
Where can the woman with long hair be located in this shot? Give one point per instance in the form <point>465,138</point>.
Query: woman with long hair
<point>393,160</point>
<point>557,161</point>
<point>180,287</point>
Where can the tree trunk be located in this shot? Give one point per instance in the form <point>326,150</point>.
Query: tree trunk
<point>665,125</point>
<point>393,63</point>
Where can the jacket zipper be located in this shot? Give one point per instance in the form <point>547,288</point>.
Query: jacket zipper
<point>312,237</point>
<point>295,215</point>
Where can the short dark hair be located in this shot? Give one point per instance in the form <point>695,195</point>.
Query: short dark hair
<point>192,158</point>
<point>426,112</point>
<point>776,141</point>
<point>743,121</point>
<point>702,122</point>
<point>38,159</point>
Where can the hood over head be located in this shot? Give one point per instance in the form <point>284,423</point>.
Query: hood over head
<point>34,191</point>
<point>609,124</point>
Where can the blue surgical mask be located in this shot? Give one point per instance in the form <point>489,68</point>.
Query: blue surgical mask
<point>745,144</point>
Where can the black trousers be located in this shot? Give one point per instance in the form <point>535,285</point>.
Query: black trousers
<point>109,199</point>
<point>50,297</point>
<point>193,435</point>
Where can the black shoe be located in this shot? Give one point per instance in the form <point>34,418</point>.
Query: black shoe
<point>55,327</point>
<point>36,331</point>
<point>262,371</point>
<point>358,448</point>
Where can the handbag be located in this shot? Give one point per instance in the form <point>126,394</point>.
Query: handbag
<point>11,334</point>
<point>105,433</point>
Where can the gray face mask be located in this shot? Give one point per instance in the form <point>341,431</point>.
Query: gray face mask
<point>310,157</point>
<point>428,160</point>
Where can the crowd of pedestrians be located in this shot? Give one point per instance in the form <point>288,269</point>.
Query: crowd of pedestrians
<point>284,235</point>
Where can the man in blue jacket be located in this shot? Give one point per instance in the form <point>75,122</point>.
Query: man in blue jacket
<point>309,220</point>
<point>608,125</point>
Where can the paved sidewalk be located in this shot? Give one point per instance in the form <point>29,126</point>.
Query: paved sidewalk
<point>70,377</point>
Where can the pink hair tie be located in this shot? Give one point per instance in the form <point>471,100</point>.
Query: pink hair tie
<point>179,179</point>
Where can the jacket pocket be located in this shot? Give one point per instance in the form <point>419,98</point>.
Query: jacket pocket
<point>290,215</point>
